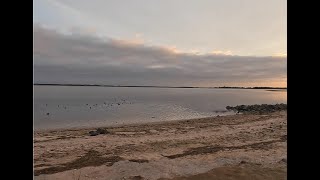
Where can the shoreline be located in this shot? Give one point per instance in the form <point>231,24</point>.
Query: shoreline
<point>121,125</point>
<point>240,109</point>
<point>167,149</point>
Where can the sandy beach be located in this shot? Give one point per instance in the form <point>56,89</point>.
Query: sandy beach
<point>242,146</point>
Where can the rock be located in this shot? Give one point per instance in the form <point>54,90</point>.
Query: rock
<point>102,131</point>
<point>284,160</point>
<point>93,133</point>
<point>98,131</point>
<point>48,114</point>
<point>243,162</point>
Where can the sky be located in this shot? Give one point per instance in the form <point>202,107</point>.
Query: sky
<point>161,42</point>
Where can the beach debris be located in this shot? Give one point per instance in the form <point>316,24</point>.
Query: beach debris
<point>283,160</point>
<point>93,133</point>
<point>134,178</point>
<point>153,131</point>
<point>102,131</point>
<point>98,131</point>
<point>139,160</point>
<point>125,133</point>
<point>188,127</point>
<point>243,162</point>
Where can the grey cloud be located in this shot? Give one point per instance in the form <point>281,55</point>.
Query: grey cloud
<point>80,58</point>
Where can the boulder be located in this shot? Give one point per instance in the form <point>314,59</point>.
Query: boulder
<point>93,133</point>
<point>102,131</point>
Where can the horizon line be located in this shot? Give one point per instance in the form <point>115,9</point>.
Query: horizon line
<point>107,85</point>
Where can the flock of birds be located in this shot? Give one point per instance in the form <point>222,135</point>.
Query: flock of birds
<point>116,103</point>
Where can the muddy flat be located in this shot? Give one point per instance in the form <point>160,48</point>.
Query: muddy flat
<point>243,146</point>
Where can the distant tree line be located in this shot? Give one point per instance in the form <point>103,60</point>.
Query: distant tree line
<point>230,87</point>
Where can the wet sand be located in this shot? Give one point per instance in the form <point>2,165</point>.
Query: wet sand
<point>243,146</point>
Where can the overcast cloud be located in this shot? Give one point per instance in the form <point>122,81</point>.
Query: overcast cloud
<point>81,57</point>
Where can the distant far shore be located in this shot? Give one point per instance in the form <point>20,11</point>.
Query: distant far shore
<point>101,85</point>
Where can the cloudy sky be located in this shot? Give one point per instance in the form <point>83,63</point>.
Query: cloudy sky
<point>161,42</point>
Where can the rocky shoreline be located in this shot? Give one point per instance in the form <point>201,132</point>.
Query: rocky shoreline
<point>244,109</point>
<point>258,109</point>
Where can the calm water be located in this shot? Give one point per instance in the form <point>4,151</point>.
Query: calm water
<point>67,106</point>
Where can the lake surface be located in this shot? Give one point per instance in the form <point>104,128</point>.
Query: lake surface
<point>85,106</point>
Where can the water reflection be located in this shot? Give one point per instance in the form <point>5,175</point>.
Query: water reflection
<point>65,107</point>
